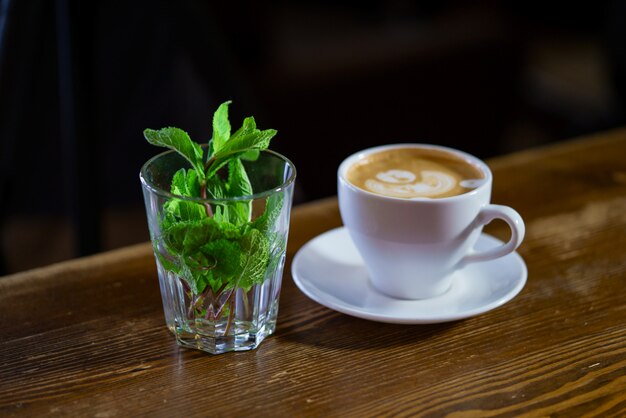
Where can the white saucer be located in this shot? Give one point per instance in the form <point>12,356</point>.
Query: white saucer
<point>329,270</point>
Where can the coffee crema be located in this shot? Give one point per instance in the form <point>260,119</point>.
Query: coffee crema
<point>415,173</point>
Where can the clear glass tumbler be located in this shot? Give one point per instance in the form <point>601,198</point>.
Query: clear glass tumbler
<point>220,280</point>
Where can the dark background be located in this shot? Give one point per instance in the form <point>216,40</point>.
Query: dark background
<point>79,82</point>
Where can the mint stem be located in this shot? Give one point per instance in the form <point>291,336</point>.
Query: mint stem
<point>195,303</point>
<point>226,302</point>
<point>213,296</point>
<point>203,195</point>
<point>231,315</point>
<point>246,304</point>
<point>209,162</point>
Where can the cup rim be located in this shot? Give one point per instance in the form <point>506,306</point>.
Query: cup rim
<point>166,193</point>
<point>469,158</point>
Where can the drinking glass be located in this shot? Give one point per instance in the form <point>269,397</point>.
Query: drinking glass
<point>220,282</point>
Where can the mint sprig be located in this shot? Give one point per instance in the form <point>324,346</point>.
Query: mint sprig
<point>217,247</point>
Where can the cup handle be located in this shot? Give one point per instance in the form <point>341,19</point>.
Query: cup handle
<point>515,222</point>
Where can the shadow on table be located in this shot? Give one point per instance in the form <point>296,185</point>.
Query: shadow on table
<point>338,331</point>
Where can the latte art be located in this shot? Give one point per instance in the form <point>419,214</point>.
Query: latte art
<point>433,183</point>
<point>413,173</point>
<point>396,176</point>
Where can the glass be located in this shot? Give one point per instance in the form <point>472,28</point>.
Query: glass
<point>220,281</point>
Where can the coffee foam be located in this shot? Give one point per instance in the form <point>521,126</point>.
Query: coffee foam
<point>415,173</point>
<point>433,183</point>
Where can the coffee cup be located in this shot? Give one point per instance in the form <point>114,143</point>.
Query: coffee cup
<point>414,213</point>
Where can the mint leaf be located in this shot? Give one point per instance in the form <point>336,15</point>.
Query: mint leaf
<point>251,155</point>
<point>238,181</point>
<point>266,225</point>
<point>248,126</point>
<point>255,259</point>
<point>197,248</point>
<point>265,222</point>
<point>239,185</point>
<point>227,254</point>
<point>184,183</point>
<point>182,210</point>
<point>178,140</point>
<point>221,126</point>
<point>206,230</point>
<point>216,188</point>
<point>247,138</point>
<point>179,182</point>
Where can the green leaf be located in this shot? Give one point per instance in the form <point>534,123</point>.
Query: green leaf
<point>278,247</point>
<point>250,155</point>
<point>197,280</point>
<point>221,126</point>
<point>179,182</point>
<point>238,180</point>
<point>247,138</point>
<point>182,210</point>
<point>247,127</point>
<point>227,254</point>
<point>216,189</point>
<point>184,183</point>
<point>206,230</point>
<point>166,262</point>
<point>273,206</point>
<point>255,259</point>
<point>239,185</point>
<point>202,260</point>
<point>179,141</point>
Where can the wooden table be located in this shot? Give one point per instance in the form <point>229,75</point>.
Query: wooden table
<point>87,337</point>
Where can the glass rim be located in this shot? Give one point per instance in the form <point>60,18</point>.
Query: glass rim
<point>166,193</point>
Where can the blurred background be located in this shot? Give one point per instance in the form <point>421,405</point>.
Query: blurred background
<point>79,81</point>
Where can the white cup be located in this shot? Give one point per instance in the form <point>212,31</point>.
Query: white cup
<point>411,247</point>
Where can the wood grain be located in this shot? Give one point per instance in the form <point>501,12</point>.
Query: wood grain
<point>87,337</point>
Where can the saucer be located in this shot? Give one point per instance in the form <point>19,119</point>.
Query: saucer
<point>329,270</point>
